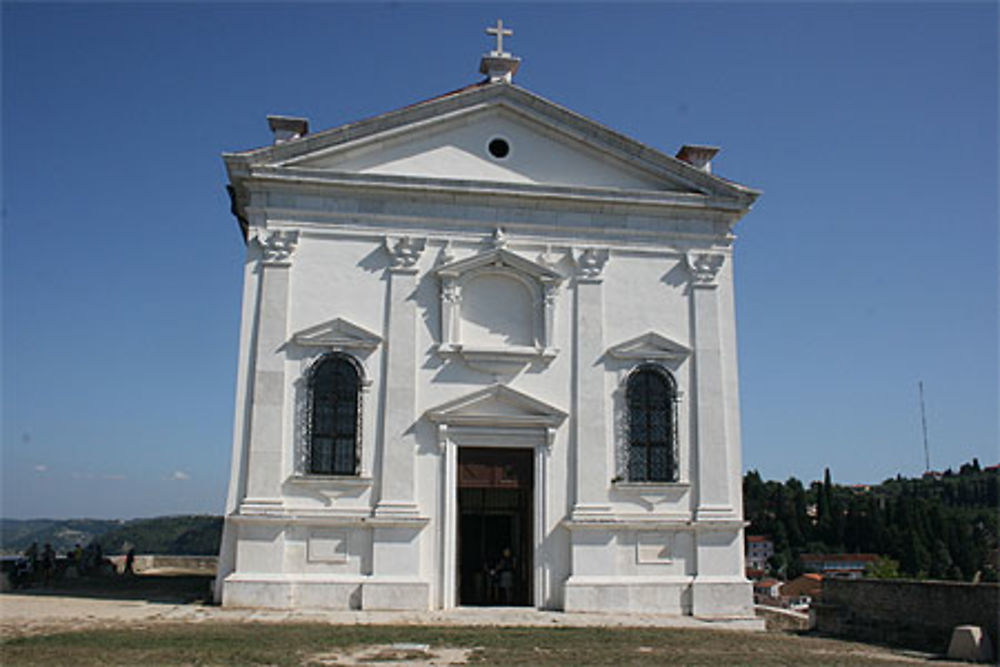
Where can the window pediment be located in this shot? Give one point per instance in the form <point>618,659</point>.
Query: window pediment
<point>650,346</point>
<point>338,334</point>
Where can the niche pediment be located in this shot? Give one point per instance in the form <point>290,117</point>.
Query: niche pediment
<point>499,258</point>
<point>650,346</point>
<point>497,406</point>
<point>338,334</point>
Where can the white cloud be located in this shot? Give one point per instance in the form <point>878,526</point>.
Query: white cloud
<point>179,475</point>
<point>112,476</point>
<point>41,467</point>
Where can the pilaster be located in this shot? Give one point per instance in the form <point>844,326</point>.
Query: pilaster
<point>264,454</point>
<point>710,397</point>
<point>590,431</point>
<point>396,496</point>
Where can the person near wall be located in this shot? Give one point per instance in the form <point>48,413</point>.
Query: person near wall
<point>129,562</point>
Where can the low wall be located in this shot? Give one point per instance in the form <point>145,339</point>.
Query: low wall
<point>782,620</point>
<point>916,614</point>
<point>186,564</point>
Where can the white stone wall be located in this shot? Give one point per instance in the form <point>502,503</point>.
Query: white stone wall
<point>591,287</point>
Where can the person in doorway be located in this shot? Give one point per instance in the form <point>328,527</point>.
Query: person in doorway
<point>505,576</point>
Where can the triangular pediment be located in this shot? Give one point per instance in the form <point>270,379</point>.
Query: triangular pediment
<point>650,346</point>
<point>458,147</point>
<point>496,406</point>
<point>500,257</point>
<point>338,334</point>
<point>447,139</point>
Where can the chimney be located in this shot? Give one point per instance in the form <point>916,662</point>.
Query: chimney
<point>286,128</point>
<point>699,157</point>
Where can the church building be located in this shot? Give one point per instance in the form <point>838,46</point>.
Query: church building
<point>487,357</point>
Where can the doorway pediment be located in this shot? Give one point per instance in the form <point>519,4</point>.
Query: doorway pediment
<point>496,406</point>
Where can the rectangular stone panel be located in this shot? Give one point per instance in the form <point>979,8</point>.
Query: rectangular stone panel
<point>327,546</point>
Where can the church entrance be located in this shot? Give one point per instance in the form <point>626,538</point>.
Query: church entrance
<point>495,487</point>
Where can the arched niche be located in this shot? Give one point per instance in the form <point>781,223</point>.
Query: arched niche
<point>497,310</point>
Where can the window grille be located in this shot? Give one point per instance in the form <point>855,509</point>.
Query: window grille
<point>651,398</point>
<point>334,421</point>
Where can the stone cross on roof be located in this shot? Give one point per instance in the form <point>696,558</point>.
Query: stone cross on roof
<point>499,65</point>
<point>500,32</point>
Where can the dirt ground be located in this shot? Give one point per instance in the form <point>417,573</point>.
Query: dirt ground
<point>147,602</point>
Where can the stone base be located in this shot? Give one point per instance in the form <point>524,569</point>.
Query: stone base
<point>385,594</point>
<point>722,597</point>
<point>290,592</point>
<point>325,592</point>
<point>969,642</point>
<point>628,594</point>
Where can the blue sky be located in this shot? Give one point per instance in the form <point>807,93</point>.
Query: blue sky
<point>869,263</point>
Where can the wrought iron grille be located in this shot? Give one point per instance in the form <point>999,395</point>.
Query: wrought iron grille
<point>333,417</point>
<point>651,413</point>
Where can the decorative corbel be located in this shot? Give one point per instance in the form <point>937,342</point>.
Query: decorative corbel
<point>277,246</point>
<point>590,263</point>
<point>404,252</point>
<point>704,267</point>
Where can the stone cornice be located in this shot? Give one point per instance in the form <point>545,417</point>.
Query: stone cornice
<point>478,189</point>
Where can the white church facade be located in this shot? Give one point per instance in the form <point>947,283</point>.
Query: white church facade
<point>487,357</point>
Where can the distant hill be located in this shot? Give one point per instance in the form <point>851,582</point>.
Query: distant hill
<point>181,535</point>
<point>178,535</point>
<point>62,534</point>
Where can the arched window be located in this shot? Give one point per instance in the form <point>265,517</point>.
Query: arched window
<point>651,396</point>
<point>334,402</point>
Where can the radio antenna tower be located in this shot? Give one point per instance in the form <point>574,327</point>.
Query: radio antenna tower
<point>923,424</point>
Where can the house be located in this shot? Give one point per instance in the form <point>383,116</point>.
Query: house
<point>766,591</point>
<point>845,566</point>
<point>487,357</point>
<point>759,550</point>
<point>799,593</point>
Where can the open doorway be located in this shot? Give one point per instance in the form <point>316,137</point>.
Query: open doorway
<point>495,560</point>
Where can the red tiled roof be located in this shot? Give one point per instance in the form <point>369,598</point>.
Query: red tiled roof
<point>822,558</point>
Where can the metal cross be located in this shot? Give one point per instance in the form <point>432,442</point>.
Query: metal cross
<point>500,32</point>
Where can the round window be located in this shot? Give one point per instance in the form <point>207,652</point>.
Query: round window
<point>499,148</point>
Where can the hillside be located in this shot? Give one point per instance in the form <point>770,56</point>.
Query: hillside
<point>182,535</point>
<point>940,526</point>
<point>62,534</point>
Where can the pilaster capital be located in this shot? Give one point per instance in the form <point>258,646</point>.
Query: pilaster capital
<point>404,252</point>
<point>704,267</point>
<point>277,246</point>
<point>551,291</point>
<point>590,264</point>
<point>450,291</point>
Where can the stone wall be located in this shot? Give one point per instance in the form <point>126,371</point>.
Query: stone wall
<point>777,619</point>
<point>916,614</point>
<point>173,564</point>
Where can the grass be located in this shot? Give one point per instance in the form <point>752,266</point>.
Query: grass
<point>222,643</point>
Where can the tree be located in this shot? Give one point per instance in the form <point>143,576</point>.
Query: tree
<point>884,568</point>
